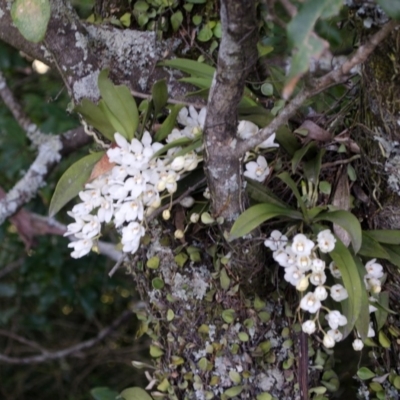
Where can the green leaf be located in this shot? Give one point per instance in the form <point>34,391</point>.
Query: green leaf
<point>201,82</point>
<point>205,34</point>
<point>267,89</point>
<point>394,254</point>
<point>95,117</point>
<point>262,194</point>
<point>176,20</point>
<point>383,310</point>
<point>325,187</point>
<point>362,323</point>
<point>384,341</point>
<point>391,8</point>
<point>256,215</point>
<point>73,181</point>
<point>217,30</point>
<point>191,67</point>
<point>352,282</point>
<point>176,143</point>
<point>196,19</point>
<point>103,393</point>
<point>31,17</point>
<point>287,140</point>
<point>312,168</point>
<point>299,154</point>
<point>126,19</point>
<point>168,124</point>
<point>348,222</point>
<point>157,283</point>
<point>228,315</point>
<point>141,6</point>
<point>233,391</point>
<point>371,248</point>
<point>159,95</point>
<point>135,393</point>
<point>224,279</point>
<point>364,373</point>
<point>385,236</point>
<point>120,103</point>
<point>156,351</point>
<point>285,177</point>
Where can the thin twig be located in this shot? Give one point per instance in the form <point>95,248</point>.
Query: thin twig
<point>48,355</point>
<point>340,162</point>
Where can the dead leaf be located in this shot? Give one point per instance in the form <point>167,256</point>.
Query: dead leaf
<point>315,132</point>
<point>102,167</point>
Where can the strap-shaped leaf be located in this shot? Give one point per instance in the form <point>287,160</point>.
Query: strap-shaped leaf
<point>394,253</point>
<point>168,124</point>
<point>95,117</point>
<point>371,248</point>
<point>120,103</point>
<point>191,67</point>
<point>352,282</point>
<point>159,95</point>
<point>385,236</point>
<point>362,323</point>
<point>176,143</point>
<point>348,222</point>
<point>261,194</point>
<point>73,181</point>
<point>256,215</point>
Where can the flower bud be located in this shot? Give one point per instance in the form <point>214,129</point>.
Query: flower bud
<point>207,219</point>
<point>328,341</point>
<point>187,202</point>
<point>302,285</point>
<point>166,215</point>
<point>194,218</point>
<point>178,163</point>
<point>179,234</point>
<point>358,345</point>
<point>309,327</point>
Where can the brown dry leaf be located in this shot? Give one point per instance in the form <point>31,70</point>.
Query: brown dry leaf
<point>315,132</point>
<point>102,167</point>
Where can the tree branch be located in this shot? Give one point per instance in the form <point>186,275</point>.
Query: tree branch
<point>48,355</point>
<point>80,50</point>
<point>339,75</point>
<point>237,55</point>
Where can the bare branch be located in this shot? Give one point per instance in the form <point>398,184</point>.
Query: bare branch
<point>237,55</point>
<point>339,75</point>
<point>48,355</point>
<point>79,51</point>
<point>32,131</point>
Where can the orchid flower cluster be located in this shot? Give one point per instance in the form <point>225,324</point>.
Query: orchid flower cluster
<point>137,181</point>
<point>303,266</point>
<point>133,188</point>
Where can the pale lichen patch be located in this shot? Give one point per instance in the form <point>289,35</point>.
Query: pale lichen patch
<point>87,87</point>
